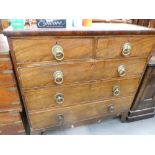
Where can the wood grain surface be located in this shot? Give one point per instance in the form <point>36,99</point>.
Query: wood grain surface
<point>77,113</point>
<point>9,117</point>
<point>9,98</point>
<point>79,72</point>
<point>77,94</point>
<point>111,47</point>
<point>95,30</point>
<point>36,50</point>
<point>12,129</point>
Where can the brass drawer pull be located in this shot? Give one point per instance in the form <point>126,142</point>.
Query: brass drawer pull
<point>126,49</point>
<point>58,53</point>
<point>116,90</point>
<point>58,77</point>
<point>121,70</point>
<point>60,118</point>
<point>111,108</point>
<point>59,98</point>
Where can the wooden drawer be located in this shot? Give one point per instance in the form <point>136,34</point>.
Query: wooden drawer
<point>78,94</point>
<point>6,78</point>
<point>12,129</point>
<point>9,98</point>
<point>36,50</point>
<point>79,72</point>
<point>5,64</point>
<point>77,113</point>
<point>111,47</point>
<point>9,118</point>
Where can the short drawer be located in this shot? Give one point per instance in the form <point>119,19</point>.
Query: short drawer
<point>12,129</point>
<point>71,115</point>
<point>9,98</point>
<point>62,96</point>
<point>37,50</point>
<point>114,47</point>
<point>70,73</point>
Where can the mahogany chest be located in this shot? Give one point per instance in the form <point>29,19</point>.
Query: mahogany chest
<point>10,105</point>
<point>72,76</point>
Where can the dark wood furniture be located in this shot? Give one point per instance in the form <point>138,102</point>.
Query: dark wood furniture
<point>73,76</point>
<point>144,102</point>
<point>10,105</point>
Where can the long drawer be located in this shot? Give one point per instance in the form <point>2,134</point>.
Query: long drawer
<point>112,47</point>
<point>79,72</point>
<point>9,98</point>
<point>71,115</point>
<point>60,96</point>
<point>36,50</point>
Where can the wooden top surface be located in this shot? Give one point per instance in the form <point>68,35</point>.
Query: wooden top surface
<point>96,29</point>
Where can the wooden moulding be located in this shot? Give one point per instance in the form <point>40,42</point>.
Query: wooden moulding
<point>140,117</point>
<point>141,112</point>
<point>95,30</point>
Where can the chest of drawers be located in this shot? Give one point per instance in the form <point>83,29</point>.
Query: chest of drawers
<point>10,104</point>
<point>72,76</point>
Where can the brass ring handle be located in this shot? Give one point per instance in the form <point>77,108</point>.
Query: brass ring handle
<point>126,49</point>
<point>111,108</point>
<point>58,53</point>
<point>58,77</point>
<point>116,90</point>
<point>121,70</point>
<point>60,117</point>
<point>59,98</point>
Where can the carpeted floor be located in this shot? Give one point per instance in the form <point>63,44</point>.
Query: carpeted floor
<point>112,127</point>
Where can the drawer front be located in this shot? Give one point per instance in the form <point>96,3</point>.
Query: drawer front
<point>79,72</point>
<point>37,50</point>
<point>61,96</point>
<point>9,98</point>
<point>9,117</point>
<point>5,64</point>
<point>6,78</point>
<point>12,129</point>
<point>111,47</point>
<point>77,113</point>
